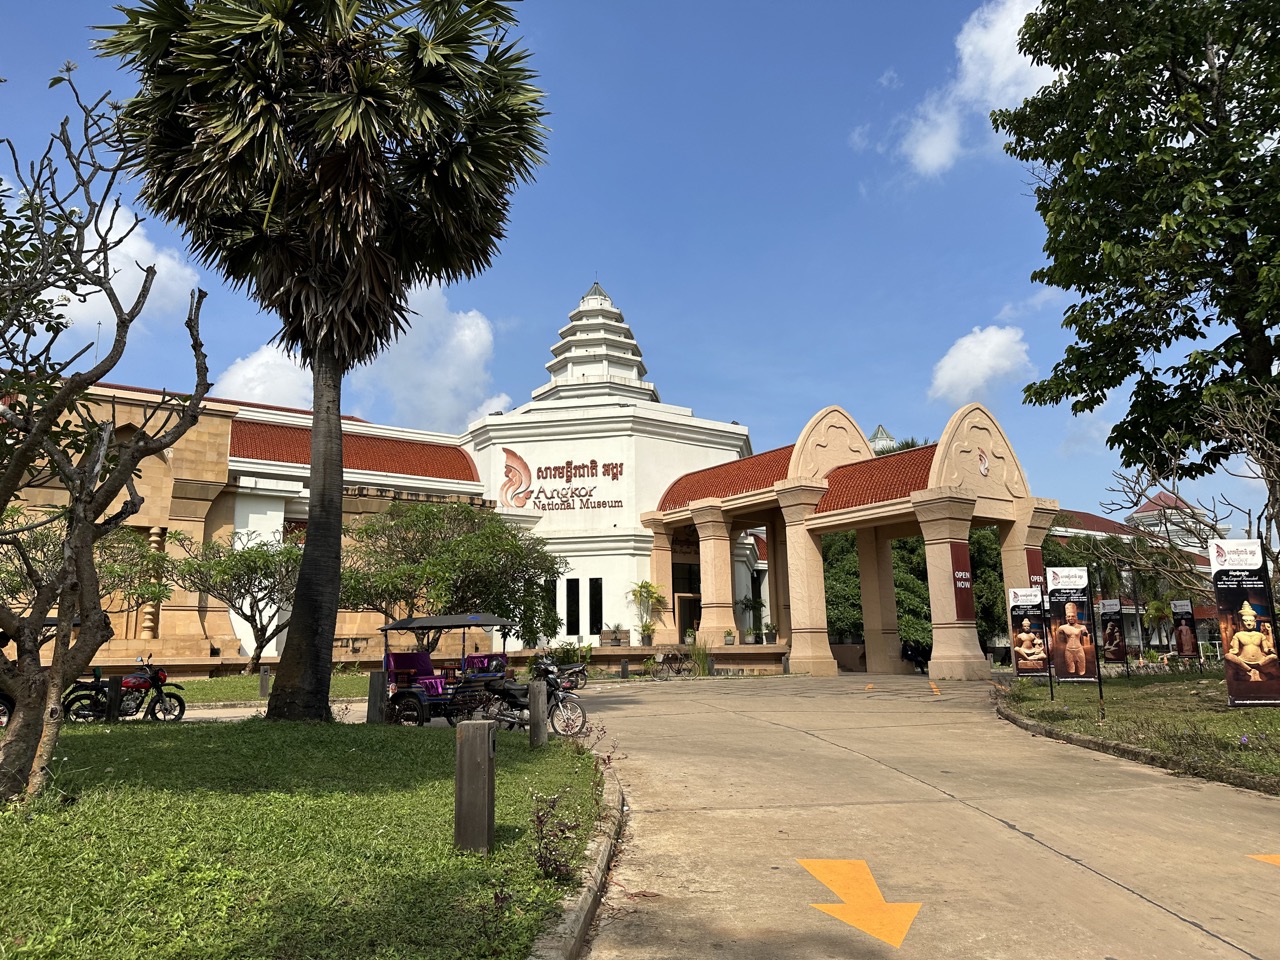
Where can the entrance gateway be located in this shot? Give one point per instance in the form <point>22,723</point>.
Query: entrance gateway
<point>828,481</point>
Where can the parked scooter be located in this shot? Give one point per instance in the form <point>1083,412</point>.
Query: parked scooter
<point>573,675</point>
<point>510,705</point>
<point>145,691</point>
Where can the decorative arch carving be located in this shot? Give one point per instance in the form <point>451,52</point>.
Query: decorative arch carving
<point>830,439</point>
<point>975,454</point>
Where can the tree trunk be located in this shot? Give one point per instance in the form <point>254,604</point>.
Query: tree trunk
<point>21,742</point>
<point>301,688</point>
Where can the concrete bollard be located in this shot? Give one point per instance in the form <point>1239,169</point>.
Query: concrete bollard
<point>711,666</point>
<point>264,683</point>
<point>537,713</point>
<point>477,750</point>
<point>625,671</point>
<point>786,664</point>
<point>377,712</point>
<point>115,689</point>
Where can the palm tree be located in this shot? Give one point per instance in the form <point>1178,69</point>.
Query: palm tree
<point>326,156</point>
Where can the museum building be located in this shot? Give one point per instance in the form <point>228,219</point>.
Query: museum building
<point>625,488</point>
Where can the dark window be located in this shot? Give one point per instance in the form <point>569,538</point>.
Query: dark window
<point>572,617</point>
<point>686,578</point>
<point>595,606</point>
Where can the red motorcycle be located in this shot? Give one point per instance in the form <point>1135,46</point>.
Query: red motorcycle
<point>146,691</point>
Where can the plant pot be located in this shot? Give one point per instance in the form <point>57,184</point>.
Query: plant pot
<point>728,639</point>
<point>770,638</point>
<point>646,640</point>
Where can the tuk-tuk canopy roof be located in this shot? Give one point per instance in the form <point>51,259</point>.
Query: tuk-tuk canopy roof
<point>451,622</point>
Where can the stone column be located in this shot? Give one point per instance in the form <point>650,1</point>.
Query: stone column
<point>810,648</point>
<point>715,559</point>
<point>944,514</point>
<point>1022,537</point>
<point>151,611</point>
<point>879,603</point>
<point>660,575</point>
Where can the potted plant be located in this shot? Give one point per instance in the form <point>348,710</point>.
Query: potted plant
<point>770,632</point>
<point>755,607</point>
<point>613,636</point>
<point>650,603</point>
<point>691,636</point>
<point>728,638</point>
<point>750,636</point>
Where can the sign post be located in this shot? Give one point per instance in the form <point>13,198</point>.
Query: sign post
<point>1246,619</point>
<point>1072,645</point>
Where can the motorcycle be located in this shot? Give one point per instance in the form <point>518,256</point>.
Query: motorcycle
<point>510,704</point>
<point>145,691</point>
<point>573,675</point>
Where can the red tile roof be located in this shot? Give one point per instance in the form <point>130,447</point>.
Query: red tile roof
<point>284,444</point>
<point>762,548</point>
<point>747,475</point>
<point>878,480</point>
<point>1093,523</point>
<point>1164,501</point>
<point>238,403</point>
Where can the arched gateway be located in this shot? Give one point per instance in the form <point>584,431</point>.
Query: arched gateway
<point>831,480</point>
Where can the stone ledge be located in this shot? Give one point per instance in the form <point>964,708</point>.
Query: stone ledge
<point>565,940</point>
<point>1151,758</point>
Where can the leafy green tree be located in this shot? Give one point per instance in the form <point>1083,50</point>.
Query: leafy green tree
<point>843,586</point>
<point>327,155</point>
<point>255,578</point>
<point>449,558</point>
<point>1157,176</point>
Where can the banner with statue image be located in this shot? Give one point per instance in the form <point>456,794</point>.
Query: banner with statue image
<point>1246,622</point>
<point>1114,648</point>
<point>1071,641</point>
<point>1185,642</point>
<point>1026,620</point>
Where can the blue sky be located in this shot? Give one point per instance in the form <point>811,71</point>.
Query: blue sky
<point>755,184</point>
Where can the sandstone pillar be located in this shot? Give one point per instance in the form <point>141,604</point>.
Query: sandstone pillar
<point>879,603</point>
<point>944,514</point>
<point>1020,544</point>
<point>715,558</point>
<point>781,596</point>
<point>810,648</point>
<point>660,576</point>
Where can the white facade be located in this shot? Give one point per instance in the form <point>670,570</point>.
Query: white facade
<point>587,455</point>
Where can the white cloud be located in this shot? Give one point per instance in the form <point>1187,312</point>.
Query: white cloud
<point>435,377</point>
<point>889,79</point>
<point>859,137</point>
<point>495,404</point>
<point>170,292</point>
<point>977,360</point>
<point>990,73</point>
<point>268,375</point>
<point>1043,297</point>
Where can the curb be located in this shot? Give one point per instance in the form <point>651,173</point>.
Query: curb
<point>1236,778</point>
<point>565,940</point>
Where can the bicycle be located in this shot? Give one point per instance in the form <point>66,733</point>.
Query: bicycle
<point>678,663</point>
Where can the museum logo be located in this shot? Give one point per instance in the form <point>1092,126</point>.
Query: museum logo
<point>1235,555</point>
<point>518,488</point>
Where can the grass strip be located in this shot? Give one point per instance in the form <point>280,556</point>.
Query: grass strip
<point>244,689</point>
<point>1182,717</point>
<point>281,840</point>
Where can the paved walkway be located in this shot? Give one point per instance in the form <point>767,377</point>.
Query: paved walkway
<point>1015,846</point>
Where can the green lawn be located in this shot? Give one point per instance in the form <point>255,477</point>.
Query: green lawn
<point>1183,716</point>
<point>271,840</point>
<point>240,689</point>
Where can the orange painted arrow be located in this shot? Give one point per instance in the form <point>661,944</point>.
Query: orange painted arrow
<point>1266,858</point>
<point>868,686</point>
<point>864,905</point>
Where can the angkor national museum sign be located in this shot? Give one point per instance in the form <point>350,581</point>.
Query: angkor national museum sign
<point>561,486</point>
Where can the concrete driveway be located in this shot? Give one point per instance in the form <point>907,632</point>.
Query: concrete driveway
<point>1013,845</point>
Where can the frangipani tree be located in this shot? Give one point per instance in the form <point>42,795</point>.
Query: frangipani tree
<point>326,156</point>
